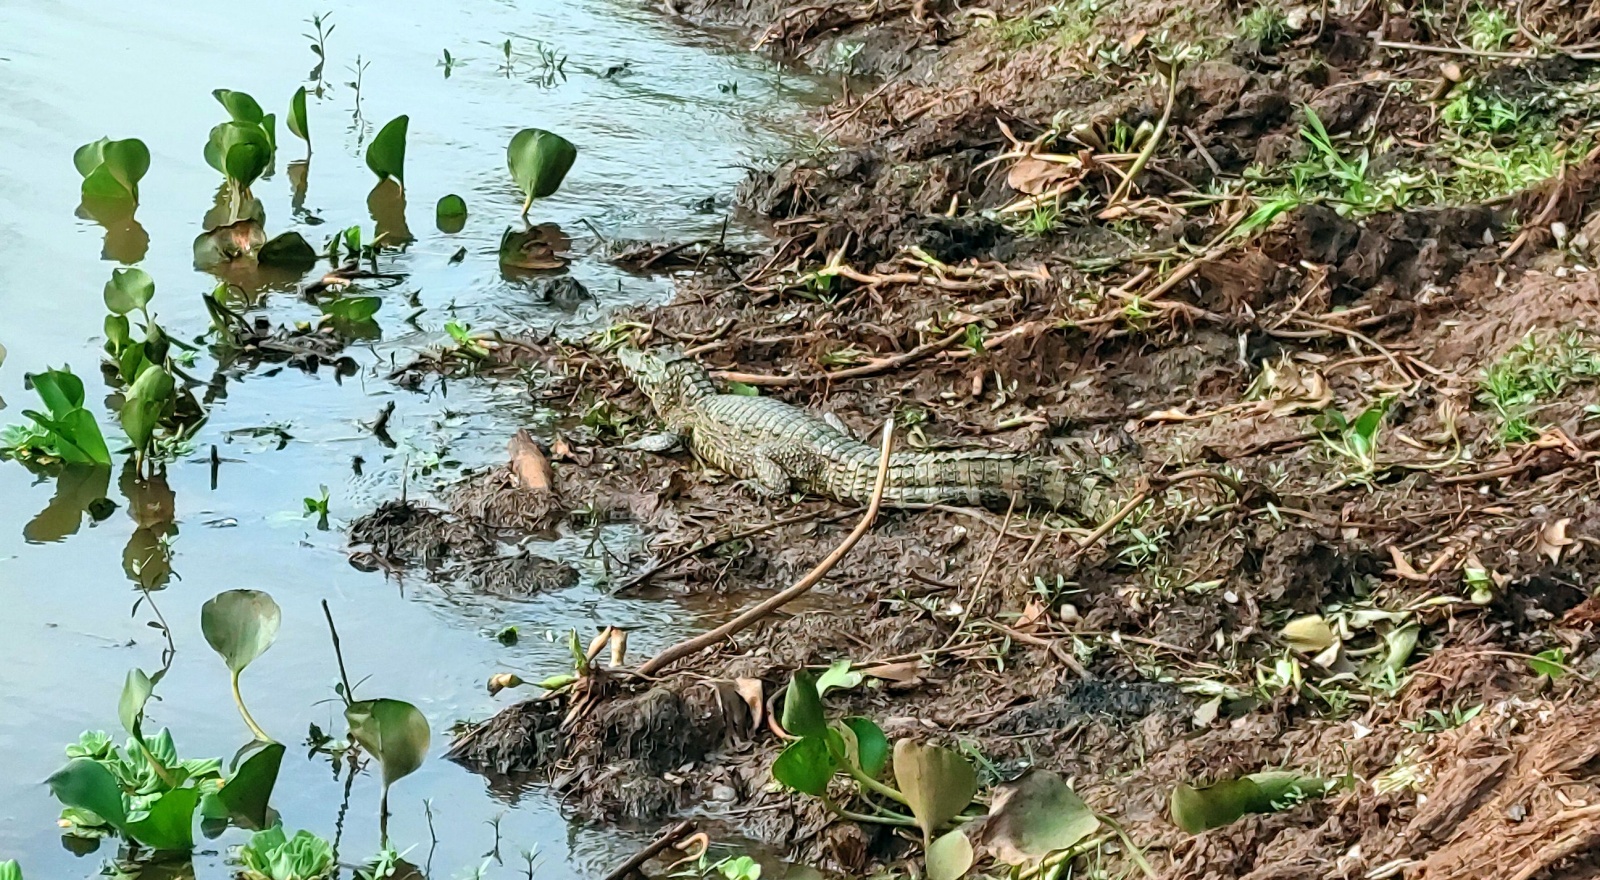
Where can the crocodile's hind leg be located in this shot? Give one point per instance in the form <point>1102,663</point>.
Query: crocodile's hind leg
<point>768,478</point>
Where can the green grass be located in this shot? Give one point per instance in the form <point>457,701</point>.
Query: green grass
<point>1489,30</point>
<point>1041,221</point>
<point>1267,24</point>
<point>1072,23</point>
<point>1537,369</point>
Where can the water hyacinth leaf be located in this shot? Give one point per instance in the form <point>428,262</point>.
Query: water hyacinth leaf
<point>296,121</point>
<point>129,290</point>
<point>539,161</point>
<point>111,170</point>
<point>246,794</point>
<point>61,390</point>
<point>240,150</point>
<point>1035,816</point>
<point>240,625</point>
<point>802,707</point>
<point>269,127</point>
<point>353,309</point>
<point>872,747</point>
<point>392,730</point>
<point>228,243</point>
<point>148,399</point>
<point>75,437</point>
<point>840,676</point>
<point>937,783</point>
<point>806,765</point>
<point>288,250</point>
<point>10,870</point>
<point>85,784</point>
<point>1200,809</point>
<point>950,856</point>
<point>450,215</point>
<point>386,155</point>
<point>136,691</point>
<point>240,106</point>
<point>169,821</point>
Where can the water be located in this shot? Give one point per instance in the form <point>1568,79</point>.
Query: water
<point>654,139</point>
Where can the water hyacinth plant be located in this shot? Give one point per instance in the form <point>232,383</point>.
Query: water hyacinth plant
<point>112,170</point>
<point>539,161</point>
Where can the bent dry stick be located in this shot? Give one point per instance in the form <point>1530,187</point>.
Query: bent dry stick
<point>801,587</point>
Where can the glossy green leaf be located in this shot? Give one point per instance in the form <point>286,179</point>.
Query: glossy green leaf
<point>297,122</point>
<point>802,707</point>
<point>61,390</point>
<point>169,821</point>
<point>451,214</point>
<point>288,250</point>
<point>10,870</point>
<point>539,161</point>
<point>392,730</point>
<point>273,855</point>
<point>247,793</point>
<point>1551,663</point>
<point>839,676</point>
<point>86,785</point>
<point>950,856</point>
<point>147,401</point>
<point>240,106</point>
<point>240,150</point>
<point>937,783</point>
<point>119,333</point>
<point>240,625</point>
<point>136,691</point>
<point>1035,816</point>
<point>806,765</point>
<point>872,747</point>
<point>75,437</point>
<point>386,155</point>
<point>1200,809</point>
<point>129,290</point>
<point>352,308</point>
<point>112,169</point>
<point>269,127</point>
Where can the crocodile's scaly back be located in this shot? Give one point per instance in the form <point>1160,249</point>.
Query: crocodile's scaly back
<point>781,447</point>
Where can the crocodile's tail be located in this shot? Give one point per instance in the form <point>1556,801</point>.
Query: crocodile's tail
<point>980,477</point>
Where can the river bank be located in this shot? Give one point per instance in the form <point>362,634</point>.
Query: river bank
<point>1336,258</point>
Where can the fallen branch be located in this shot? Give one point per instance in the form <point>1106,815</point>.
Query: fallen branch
<point>673,835</point>
<point>743,621</point>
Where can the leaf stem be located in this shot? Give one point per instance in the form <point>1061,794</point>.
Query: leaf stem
<point>874,785</point>
<point>338,653</point>
<point>890,819</point>
<point>526,204</point>
<point>238,700</point>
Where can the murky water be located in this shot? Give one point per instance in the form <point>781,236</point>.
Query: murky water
<point>657,136</point>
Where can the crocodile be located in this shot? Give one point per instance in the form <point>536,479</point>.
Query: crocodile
<point>779,448</point>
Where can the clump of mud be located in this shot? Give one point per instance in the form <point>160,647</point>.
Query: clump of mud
<point>409,532</point>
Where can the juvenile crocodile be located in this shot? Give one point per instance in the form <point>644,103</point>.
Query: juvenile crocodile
<point>780,448</point>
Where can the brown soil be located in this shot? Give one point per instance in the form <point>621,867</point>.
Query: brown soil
<point>1149,336</point>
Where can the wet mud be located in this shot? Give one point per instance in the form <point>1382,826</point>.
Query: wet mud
<point>1160,326</point>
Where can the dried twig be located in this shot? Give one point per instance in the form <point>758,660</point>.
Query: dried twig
<point>673,835</point>
<point>687,647</point>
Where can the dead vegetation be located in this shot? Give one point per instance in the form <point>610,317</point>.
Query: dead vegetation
<point>1338,255</point>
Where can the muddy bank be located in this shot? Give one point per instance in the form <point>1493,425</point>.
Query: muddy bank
<point>1315,261</point>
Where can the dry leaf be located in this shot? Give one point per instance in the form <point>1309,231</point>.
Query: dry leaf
<point>1552,539</point>
<point>502,680</point>
<point>528,463</point>
<point>1402,567</point>
<point>1035,176</point>
<point>900,673</point>
<point>752,692</point>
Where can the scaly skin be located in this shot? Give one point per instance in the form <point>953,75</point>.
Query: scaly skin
<point>780,448</point>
